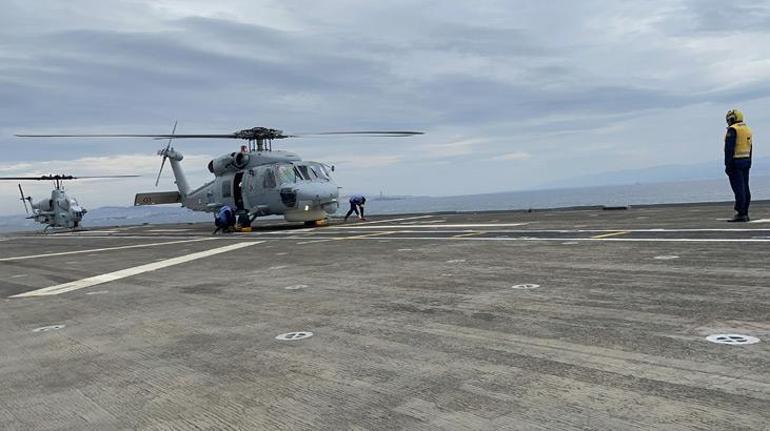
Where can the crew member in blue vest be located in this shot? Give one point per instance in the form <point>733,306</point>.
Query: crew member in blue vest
<point>225,219</point>
<point>356,204</point>
<point>738,162</point>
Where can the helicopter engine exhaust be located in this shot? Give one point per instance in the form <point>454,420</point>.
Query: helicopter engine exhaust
<point>232,162</point>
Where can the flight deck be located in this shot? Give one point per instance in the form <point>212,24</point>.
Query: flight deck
<point>563,319</point>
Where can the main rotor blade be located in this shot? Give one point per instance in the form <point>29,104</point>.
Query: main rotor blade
<point>374,133</point>
<point>89,177</point>
<point>161,136</point>
<point>25,178</point>
<point>64,177</point>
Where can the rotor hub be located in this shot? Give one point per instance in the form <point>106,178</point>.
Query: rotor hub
<point>260,134</point>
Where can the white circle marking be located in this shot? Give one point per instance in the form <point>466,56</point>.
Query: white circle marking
<point>732,339</point>
<point>48,328</point>
<point>294,336</point>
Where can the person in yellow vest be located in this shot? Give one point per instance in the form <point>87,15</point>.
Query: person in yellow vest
<point>738,162</point>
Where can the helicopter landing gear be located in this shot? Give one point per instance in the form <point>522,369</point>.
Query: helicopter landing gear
<point>244,220</point>
<point>316,223</point>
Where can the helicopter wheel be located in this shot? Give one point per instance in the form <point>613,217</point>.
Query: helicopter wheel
<point>316,223</point>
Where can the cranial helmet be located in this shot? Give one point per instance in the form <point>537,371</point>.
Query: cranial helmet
<point>734,116</point>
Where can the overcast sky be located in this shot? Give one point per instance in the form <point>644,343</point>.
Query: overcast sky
<point>512,94</point>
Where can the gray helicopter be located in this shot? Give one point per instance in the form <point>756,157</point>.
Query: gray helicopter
<point>60,211</point>
<point>255,181</point>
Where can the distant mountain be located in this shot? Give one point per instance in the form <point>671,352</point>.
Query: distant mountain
<point>657,174</point>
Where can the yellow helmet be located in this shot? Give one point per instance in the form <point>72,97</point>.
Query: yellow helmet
<point>734,116</point>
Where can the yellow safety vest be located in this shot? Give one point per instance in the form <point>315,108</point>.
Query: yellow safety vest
<point>742,140</point>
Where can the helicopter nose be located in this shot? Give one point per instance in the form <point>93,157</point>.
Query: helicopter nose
<point>314,195</point>
<point>317,192</point>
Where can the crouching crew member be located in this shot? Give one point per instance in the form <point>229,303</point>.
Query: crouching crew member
<point>356,204</point>
<point>225,220</point>
<point>738,162</point>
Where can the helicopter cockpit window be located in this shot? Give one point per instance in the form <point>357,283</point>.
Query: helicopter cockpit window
<point>298,174</point>
<point>287,174</point>
<point>314,172</point>
<point>268,180</point>
<point>303,169</point>
<point>320,171</point>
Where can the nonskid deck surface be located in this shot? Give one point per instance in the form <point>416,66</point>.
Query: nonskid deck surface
<point>582,319</point>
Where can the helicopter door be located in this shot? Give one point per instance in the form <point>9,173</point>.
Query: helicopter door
<point>238,190</point>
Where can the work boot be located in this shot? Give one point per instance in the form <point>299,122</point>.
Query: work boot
<point>739,219</point>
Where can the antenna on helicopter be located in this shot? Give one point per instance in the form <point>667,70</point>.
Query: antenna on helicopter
<point>165,153</point>
<point>25,199</point>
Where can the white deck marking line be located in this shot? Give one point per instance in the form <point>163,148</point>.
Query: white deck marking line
<point>364,236</point>
<point>392,220</point>
<point>94,250</point>
<point>404,228</point>
<point>533,238</point>
<point>465,235</point>
<point>95,231</point>
<point>762,220</point>
<point>286,231</point>
<point>128,272</point>
<point>594,239</point>
<point>434,226</point>
<point>428,222</point>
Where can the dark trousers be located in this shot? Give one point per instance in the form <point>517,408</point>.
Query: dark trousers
<point>355,208</point>
<point>739,181</point>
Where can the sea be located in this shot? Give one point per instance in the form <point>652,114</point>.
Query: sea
<point>615,195</point>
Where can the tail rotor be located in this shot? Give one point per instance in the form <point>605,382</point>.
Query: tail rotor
<point>164,152</point>
<point>24,199</point>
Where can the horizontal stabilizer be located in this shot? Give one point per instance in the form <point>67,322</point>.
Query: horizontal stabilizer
<point>157,198</point>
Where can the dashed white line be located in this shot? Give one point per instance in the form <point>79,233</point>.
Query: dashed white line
<point>128,272</point>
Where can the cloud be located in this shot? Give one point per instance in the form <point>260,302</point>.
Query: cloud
<point>362,161</point>
<point>120,164</point>
<point>508,157</point>
<point>579,86</point>
<point>452,148</point>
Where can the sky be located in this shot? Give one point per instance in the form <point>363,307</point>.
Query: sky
<point>511,94</point>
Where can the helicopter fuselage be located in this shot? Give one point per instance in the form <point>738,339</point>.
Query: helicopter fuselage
<point>58,211</point>
<point>263,183</point>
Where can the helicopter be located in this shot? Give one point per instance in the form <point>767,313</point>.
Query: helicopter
<point>61,210</point>
<point>254,181</point>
